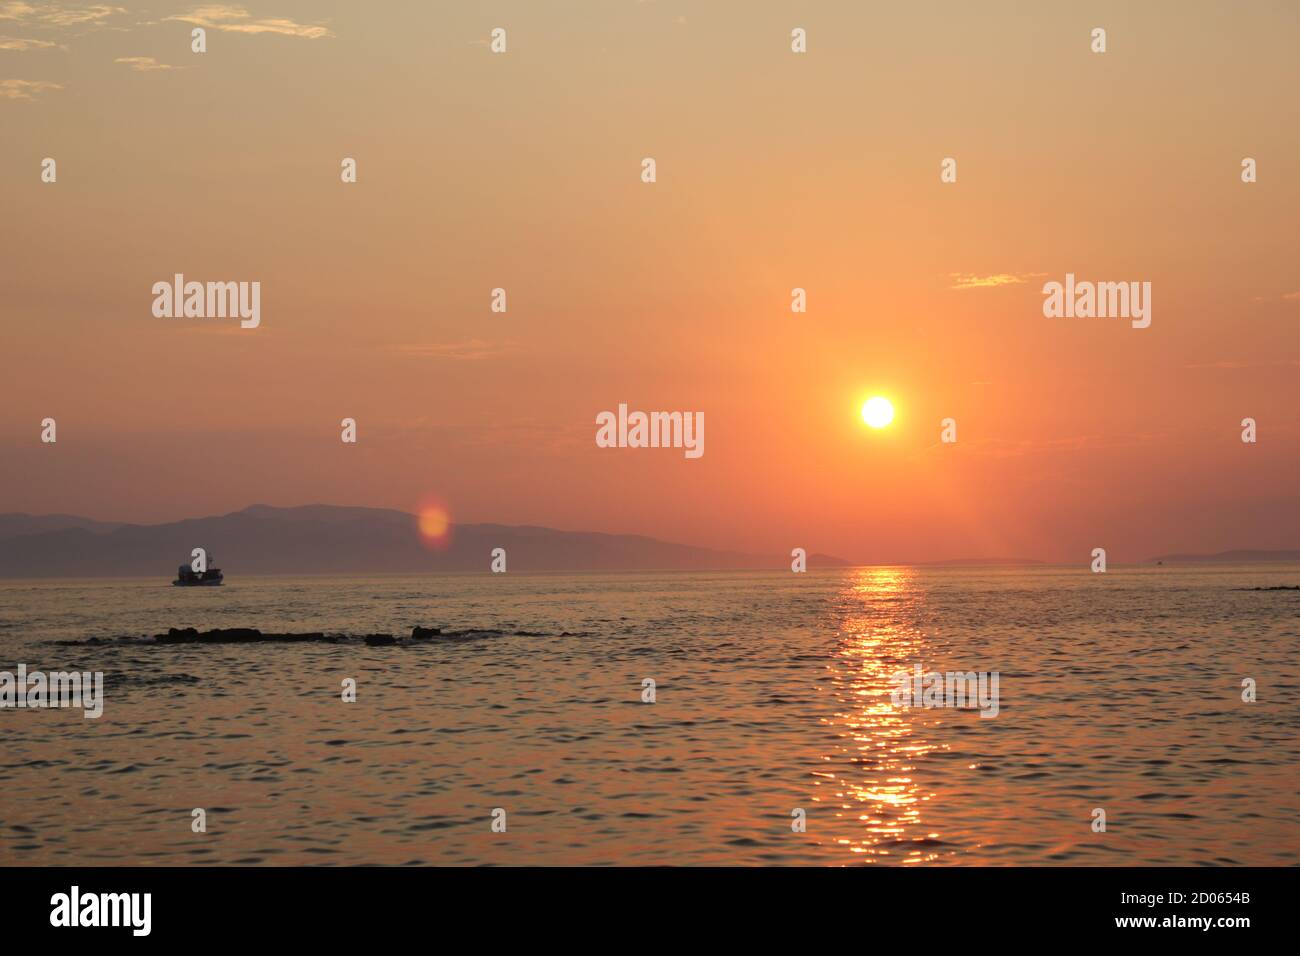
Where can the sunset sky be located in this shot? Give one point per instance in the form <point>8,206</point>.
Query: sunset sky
<point>775,170</point>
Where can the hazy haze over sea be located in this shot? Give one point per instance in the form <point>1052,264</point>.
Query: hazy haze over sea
<point>1119,691</point>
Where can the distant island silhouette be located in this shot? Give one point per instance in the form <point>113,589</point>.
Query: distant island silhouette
<point>331,539</point>
<point>981,563</point>
<point>1230,557</point>
<point>336,539</point>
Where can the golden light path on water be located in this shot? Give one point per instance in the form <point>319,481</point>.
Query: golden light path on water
<point>879,805</point>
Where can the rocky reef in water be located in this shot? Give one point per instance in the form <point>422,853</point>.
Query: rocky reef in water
<point>251,635</point>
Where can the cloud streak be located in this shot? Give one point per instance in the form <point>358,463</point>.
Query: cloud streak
<point>144,64</point>
<point>233,19</point>
<point>23,44</point>
<point>26,89</point>
<point>969,280</point>
<point>57,15</point>
<point>1233,365</point>
<point>469,350</point>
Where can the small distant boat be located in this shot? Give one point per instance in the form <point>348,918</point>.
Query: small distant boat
<point>187,577</point>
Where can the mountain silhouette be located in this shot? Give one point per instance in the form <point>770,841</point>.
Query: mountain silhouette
<point>328,539</point>
<point>1230,557</point>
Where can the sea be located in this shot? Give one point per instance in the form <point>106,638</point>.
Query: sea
<point>1144,716</point>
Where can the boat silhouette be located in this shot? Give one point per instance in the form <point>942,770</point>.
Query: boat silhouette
<point>186,577</point>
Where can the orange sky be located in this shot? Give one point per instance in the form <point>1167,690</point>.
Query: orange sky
<point>775,170</point>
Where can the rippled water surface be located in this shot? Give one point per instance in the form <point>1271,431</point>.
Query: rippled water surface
<point>1119,691</point>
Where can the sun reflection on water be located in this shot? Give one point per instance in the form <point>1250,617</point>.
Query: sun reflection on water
<point>870,778</point>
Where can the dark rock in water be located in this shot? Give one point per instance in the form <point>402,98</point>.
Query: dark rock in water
<point>251,635</point>
<point>473,632</point>
<point>1280,587</point>
<point>436,633</point>
<point>233,635</point>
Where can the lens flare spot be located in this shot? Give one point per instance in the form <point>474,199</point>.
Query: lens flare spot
<point>435,525</point>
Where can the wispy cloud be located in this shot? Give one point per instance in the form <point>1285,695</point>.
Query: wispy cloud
<point>1021,447</point>
<point>1284,297</point>
<point>23,44</point>
<point>969,280</point>
<point>57,14</point>
<point>25,89</point>
<point>144,64</point>
<point>1231,365</point>
<point>1091,442</point>
<point>233,19</point>
<point>469,350</point>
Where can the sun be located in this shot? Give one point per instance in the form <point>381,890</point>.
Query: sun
<point>877,412</point>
